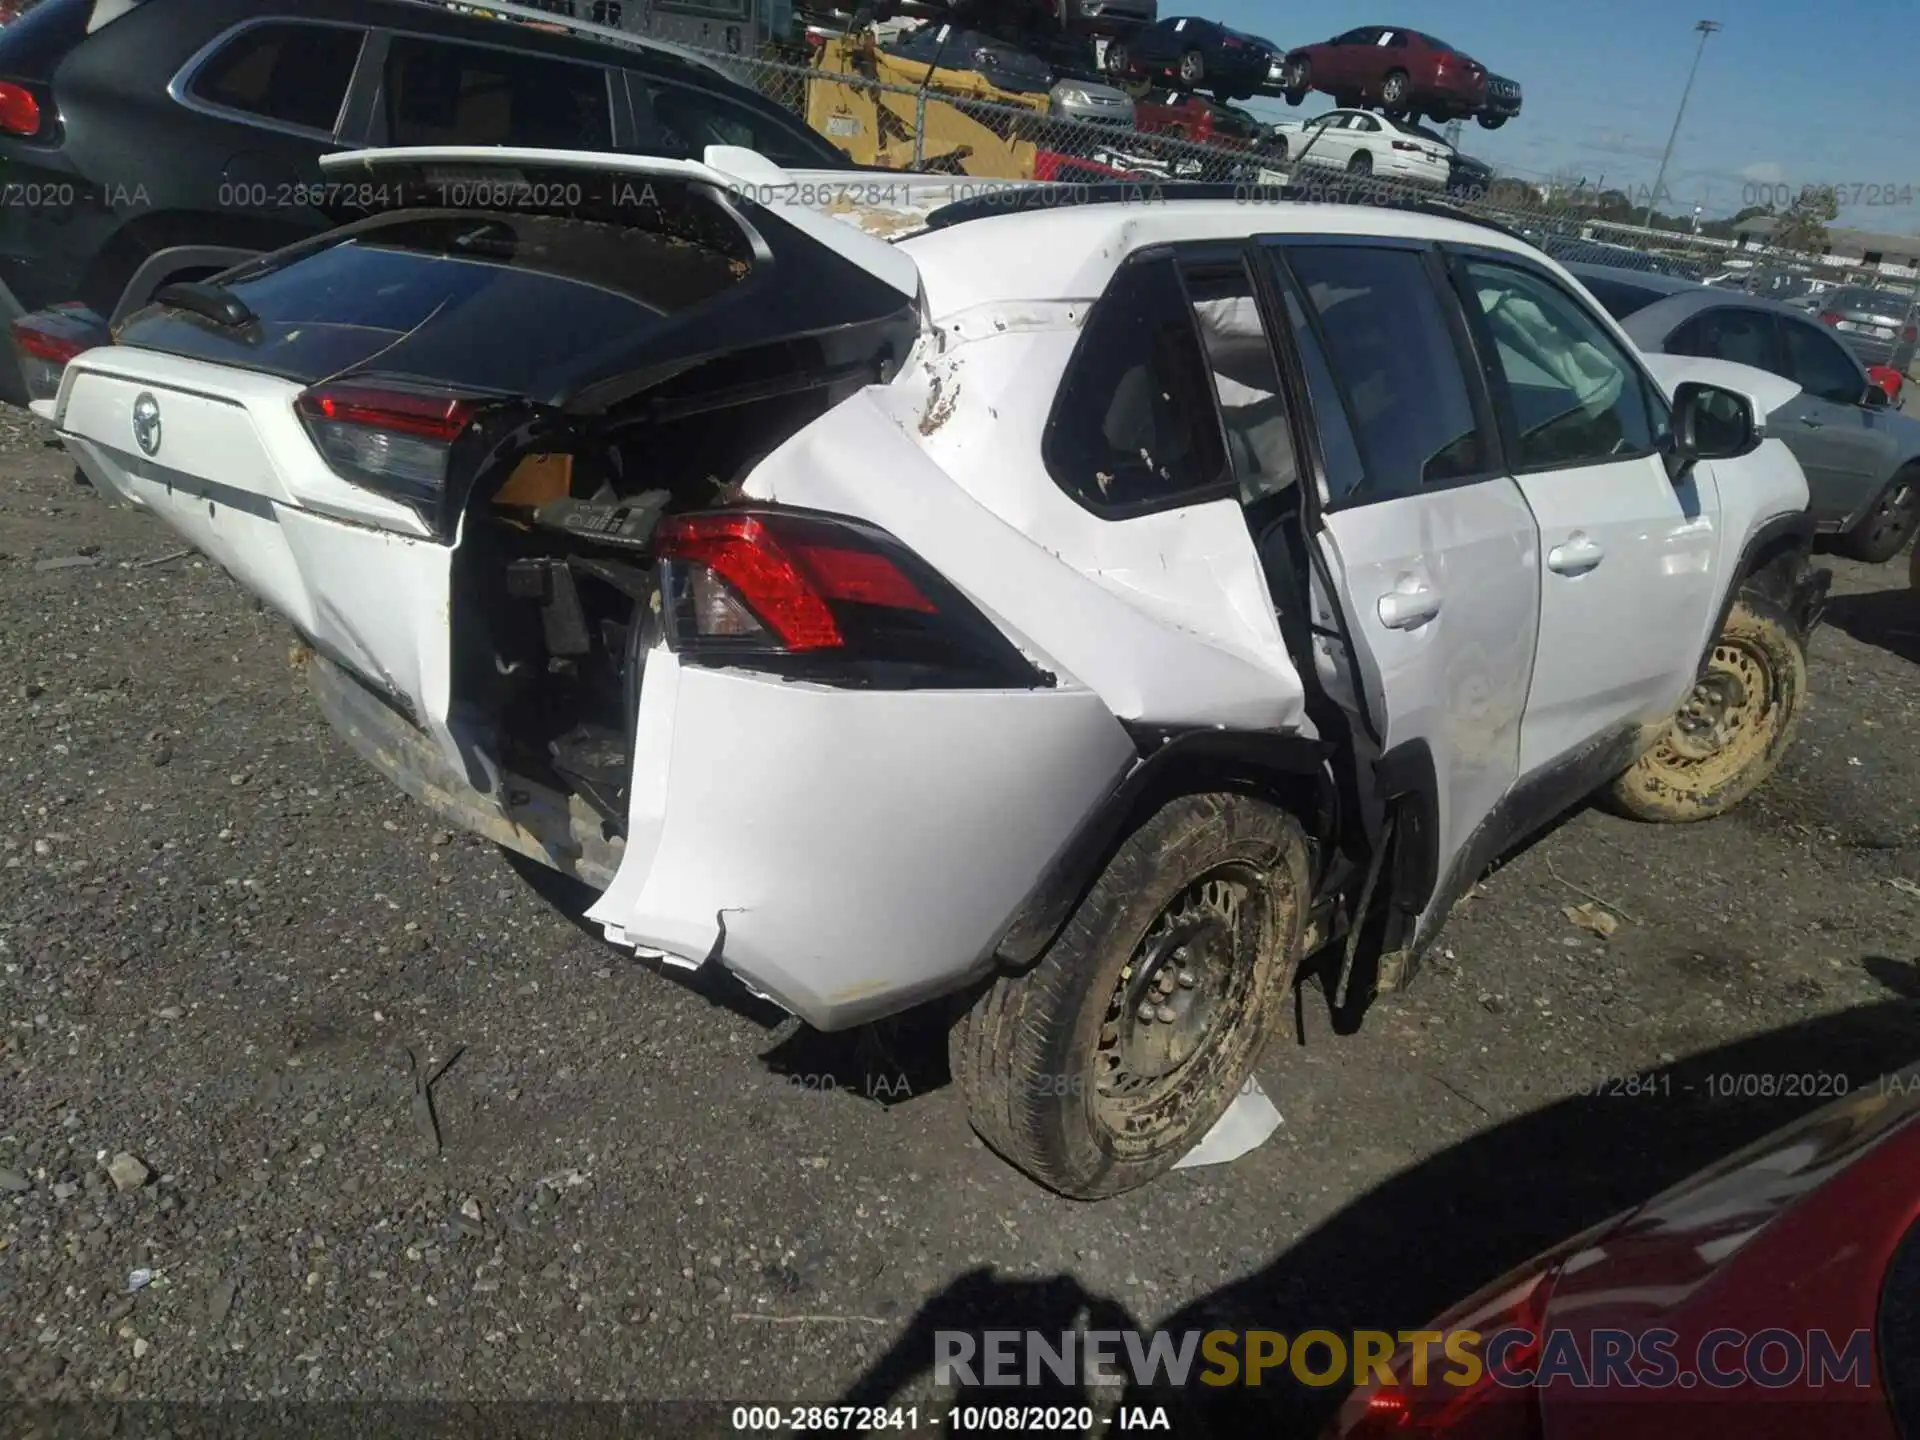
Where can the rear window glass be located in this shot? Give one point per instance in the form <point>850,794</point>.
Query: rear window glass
<point>286,71</point>
<point>423,294</point>
<point>1873,302</point>
<point>39,40</point>
<point>439,93</point>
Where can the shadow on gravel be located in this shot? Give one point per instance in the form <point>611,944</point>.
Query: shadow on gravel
<point>1431,1235</point>
<point>1889,619</point>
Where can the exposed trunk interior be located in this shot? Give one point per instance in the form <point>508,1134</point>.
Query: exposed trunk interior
<point>554,595</point>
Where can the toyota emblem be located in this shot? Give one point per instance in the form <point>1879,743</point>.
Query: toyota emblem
<point>146,422</point>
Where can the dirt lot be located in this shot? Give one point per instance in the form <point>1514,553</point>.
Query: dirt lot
<point>221,936</point>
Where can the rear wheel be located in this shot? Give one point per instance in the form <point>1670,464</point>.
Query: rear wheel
<point>1098,1068</point>
<point>1889,524</point>
<point>1730,733</point>
<point>1393,93</point>
<point>1361,163</point>
<point>1119,64</point>
<point>1492,122</point>
<point>1193,70</point>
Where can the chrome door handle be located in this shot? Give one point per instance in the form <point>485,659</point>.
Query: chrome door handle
<point>1408,604</point>
<point>1579,554</point>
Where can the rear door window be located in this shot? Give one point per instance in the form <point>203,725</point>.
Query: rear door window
<point>289,72</point>
<point>1819,366</point>
<point>1743,336</point>
<point>440,93</point>
<point>1394,357</point>
<point>1133,427</point>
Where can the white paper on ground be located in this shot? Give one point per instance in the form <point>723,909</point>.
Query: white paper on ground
<point>1246,1125</point>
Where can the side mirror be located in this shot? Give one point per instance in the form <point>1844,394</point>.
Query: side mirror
<point>1710,423</point>
<point>1876,398</point>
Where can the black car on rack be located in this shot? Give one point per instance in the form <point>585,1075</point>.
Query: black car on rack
<point>147,142</point>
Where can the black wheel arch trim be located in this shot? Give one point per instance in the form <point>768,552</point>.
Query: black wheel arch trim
<point>1796,586</point>
<point>157,267</point>
<point>1171,761</point>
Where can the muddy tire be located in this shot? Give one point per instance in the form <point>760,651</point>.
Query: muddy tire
<point>1099,1067</point>
<point>1731,731</point>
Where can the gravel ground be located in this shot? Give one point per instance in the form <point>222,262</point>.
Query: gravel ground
<point>222,938</point>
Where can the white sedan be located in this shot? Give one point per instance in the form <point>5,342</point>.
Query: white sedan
<point>1363,143</point>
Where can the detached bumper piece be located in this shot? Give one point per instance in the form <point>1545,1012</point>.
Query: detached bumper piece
<point>1809,599</point>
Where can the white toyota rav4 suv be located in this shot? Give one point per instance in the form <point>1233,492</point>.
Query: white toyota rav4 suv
<point>1087,608</point>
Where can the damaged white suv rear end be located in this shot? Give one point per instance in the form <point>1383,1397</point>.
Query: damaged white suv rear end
<point>1048,606</point>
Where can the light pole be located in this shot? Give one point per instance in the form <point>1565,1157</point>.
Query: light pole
<point>1706,28</point>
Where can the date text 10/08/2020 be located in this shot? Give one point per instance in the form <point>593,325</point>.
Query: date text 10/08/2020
<point>951,1420</point>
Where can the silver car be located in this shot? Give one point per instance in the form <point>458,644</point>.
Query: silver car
<point>1861,457</point>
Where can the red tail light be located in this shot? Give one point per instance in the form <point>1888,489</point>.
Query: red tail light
<point>47,339</point>
<point>1487,1409</point>
<point>1827,317</point>
<point>388,438</point>
<point>1405,145</point>
<point>19,110</point>
<point>823,596</point>
<point>789,587</point>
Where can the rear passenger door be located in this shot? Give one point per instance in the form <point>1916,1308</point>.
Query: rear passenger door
<point>1430,546</point>
<point>1627,575</point>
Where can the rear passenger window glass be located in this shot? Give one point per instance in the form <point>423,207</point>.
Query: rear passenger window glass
<point>442,94</point>
<point>1394,357</point>
<point>1133,425</point>
<point>283,71</point>
<point>1246,382</point>
<point>1577,398</point>
<point>1819,366</point>
<point>1742,336</point>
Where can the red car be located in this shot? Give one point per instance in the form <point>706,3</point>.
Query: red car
<point>1774,1295</point>
<point>1196,119</point>
<point>1406,73</point>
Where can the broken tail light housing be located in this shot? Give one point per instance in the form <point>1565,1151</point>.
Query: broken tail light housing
<point>826,598</point>
<point>1827,317</point>
<point>47,339</point>
<point>393,439</point>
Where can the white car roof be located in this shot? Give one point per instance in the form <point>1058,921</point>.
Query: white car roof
<point>1070,252</point>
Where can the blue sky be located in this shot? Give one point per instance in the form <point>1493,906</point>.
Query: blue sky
<point>1786,91</point>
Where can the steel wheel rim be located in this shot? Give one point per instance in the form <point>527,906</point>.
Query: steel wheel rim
<point>1191,979</point>
<point>1726,720</point>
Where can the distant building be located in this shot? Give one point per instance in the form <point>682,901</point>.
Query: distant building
<point>1887,254</point>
